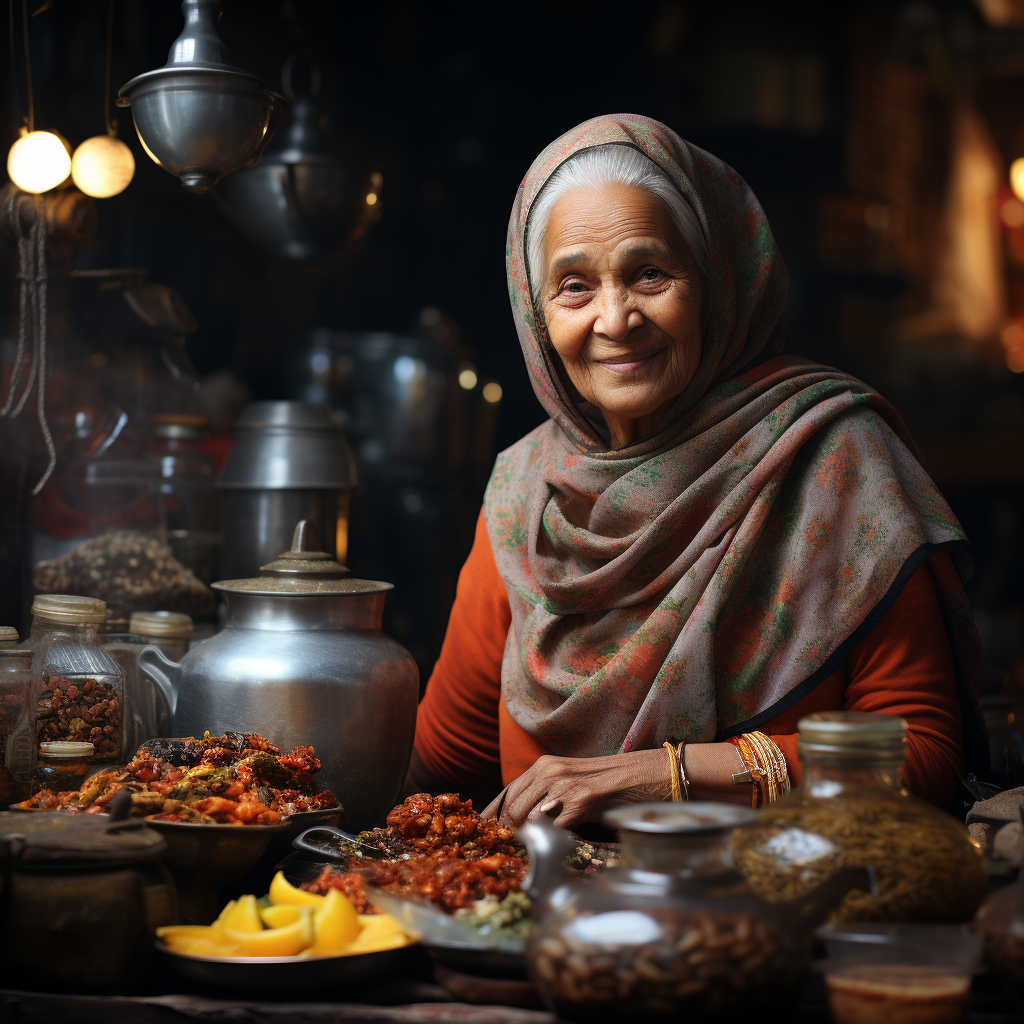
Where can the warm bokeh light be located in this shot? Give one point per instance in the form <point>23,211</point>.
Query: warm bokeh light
<point>371,198</point>
<point>1011,213</point>
<point>38,161</point>
<point>492,392</point>
<point>1017,177</point>
<point>467,378</point>
<point>1013,341</point>
<point>102,166</point>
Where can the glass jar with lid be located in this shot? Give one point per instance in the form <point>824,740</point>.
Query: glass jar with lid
<point>17,725</point>
<point>8,637</point>
<point>852,808</point>
<point>80,688</point>
<point>170,631</point>
<point>187,477</point>
<point>673,931</point>
<point>62,766</point>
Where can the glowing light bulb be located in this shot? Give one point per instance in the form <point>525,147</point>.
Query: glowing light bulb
<point>371,198</point>
<point>102,166</point>
<point>467,378</point>
<point>38,161</point>
<point>492,392</point>
<point>1017,177</point>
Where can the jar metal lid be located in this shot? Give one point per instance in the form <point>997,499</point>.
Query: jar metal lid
<point>66,749</point>
<point>174,624</point>
<point>853,733</point>
<point>69,608</point>
<point>8,635</point>
<point>698,817</point>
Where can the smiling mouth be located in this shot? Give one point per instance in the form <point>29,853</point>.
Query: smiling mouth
<point>629,361</point>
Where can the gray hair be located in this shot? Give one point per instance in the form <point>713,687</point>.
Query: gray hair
<point>610,164</point>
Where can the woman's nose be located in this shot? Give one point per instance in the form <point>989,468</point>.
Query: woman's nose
<point>616,316</point>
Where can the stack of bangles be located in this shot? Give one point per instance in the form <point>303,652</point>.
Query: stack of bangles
<point>764,765</point>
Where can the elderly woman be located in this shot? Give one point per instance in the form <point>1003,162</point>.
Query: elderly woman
<point>707,540</point>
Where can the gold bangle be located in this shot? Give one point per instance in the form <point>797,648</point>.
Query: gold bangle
<point>754,770</point>
<point>773,777</point>
<point>673,771</point>
<point>681,759</point>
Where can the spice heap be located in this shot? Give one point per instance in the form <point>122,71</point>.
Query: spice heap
<point>438,848</point>
<point>81,710</point>
<point>925,868</point>
<point>128,570</point>
<point>232,779</point>
<point>699,962</point>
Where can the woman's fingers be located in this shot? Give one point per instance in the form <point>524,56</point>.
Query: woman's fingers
<point>495,807</point>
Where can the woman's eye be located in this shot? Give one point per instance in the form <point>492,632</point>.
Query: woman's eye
<point>650,274</point>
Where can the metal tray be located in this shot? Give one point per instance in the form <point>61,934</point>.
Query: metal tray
<point>275,973</point>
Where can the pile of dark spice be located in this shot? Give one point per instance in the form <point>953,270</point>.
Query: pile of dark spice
<point>130,571</point>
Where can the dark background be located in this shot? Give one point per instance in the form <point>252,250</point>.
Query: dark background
<point>838,115</point>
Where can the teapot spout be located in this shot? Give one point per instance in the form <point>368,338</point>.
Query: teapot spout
<point>548,846</point>
<point>164,672</point>
<point>814,906</point>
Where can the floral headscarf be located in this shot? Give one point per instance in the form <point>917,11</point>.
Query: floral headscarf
<point>703,580</point>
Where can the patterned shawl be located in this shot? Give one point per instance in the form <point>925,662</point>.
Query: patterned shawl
<point>703,580</point>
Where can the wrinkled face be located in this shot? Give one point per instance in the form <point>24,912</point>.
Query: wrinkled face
<point>623,299</point>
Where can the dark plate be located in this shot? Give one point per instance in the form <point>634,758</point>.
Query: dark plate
<point>274,973</point>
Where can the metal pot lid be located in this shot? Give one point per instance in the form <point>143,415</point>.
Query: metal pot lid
<point>55,838</point>
<point>198,50</point>
<point>305,569</point>
<point>288,445</point>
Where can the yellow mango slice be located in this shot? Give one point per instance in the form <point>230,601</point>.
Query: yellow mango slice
<point>203,947</point>
<point>282,892</point>
<point>337,924</point>
<point>218,925</point>
<point>379,931</point>
<point>173,932</point>
<point>286,941</point>
<point>242,917</point>
<point>279,916</point>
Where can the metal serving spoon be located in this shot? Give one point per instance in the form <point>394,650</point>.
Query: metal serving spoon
<point>322,851</point>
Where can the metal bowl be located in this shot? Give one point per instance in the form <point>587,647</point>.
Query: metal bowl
<point>268,974</point>
<point>203,857</point>
<point>202,123</point>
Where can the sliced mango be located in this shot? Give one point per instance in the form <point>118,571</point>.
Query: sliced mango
<point>337,924</point>
<point>203,947</point>
<point>279,916</point>
<point>243,917</point>
<point>286,941</point>
<point>173,932</point>
<point>282,892</point>
<point>379,931</point>
<point>218,925</point>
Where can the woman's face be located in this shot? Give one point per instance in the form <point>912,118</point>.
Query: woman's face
<point>624,304</point>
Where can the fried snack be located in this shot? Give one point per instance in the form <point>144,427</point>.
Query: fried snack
<point>233,779</point>
<point>438,848</point>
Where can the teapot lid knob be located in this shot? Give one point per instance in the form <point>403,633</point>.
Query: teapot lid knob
<point>305,560</point>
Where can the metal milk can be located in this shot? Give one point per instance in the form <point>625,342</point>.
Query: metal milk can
<point>302,660</point>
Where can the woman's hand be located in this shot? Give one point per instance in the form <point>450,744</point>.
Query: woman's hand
<point>583,787</point>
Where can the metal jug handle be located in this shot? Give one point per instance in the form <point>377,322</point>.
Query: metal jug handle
<point>302,842</point>
<point>164,672</point>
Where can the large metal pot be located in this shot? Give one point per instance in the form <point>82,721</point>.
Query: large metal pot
<point>289,462</point>
<point>302,659</point>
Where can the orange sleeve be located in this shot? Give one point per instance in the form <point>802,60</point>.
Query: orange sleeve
<point>457,723</point>
<point>904,667</point>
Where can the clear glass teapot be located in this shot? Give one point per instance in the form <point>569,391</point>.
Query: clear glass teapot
<point>674,928</point>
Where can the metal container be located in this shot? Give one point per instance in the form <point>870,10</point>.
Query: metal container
<point>83,897</point>
<point>289,462</point>
<point>199,117</point>
<point>302,660</point>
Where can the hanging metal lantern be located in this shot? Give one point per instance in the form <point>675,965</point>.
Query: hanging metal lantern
<point>199,117</point>
<point>302,198</point>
